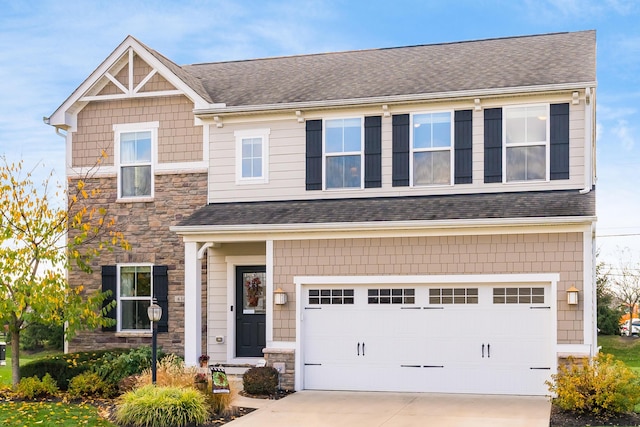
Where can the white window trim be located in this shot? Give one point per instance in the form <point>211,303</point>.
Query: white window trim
<point>423,150</point>
<point>119,129</point>
<point>119,306</point>
<point>547,145</point>
<point>252,133</point>
<point>342,154</point>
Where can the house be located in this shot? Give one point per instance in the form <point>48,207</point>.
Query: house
<point>401,219</point>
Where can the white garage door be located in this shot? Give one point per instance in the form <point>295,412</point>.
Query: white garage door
<point>452,339</point>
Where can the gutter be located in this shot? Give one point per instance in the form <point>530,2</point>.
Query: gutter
<point>379,225</point>
<point>217,110</point>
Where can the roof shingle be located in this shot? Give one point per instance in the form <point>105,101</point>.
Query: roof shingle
<point>565,203</point>
<point>549,59</point>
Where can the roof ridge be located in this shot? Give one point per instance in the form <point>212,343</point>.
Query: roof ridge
<point>269,58</point>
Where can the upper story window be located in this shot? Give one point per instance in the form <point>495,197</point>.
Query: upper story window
<point>343,153</point>
<point>526,141</point>
<point>431,148</point>
<point>252,156</point>
<point>135,146</point>
<point>135,290</point>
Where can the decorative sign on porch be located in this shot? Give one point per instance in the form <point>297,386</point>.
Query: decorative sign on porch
<point>220,382</point>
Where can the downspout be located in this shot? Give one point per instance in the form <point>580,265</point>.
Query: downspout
<point>588,143</point>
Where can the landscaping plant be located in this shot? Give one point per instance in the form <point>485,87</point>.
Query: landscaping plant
<point>90,384</point>
<point>31,387</point>
<point>261,380</point>
<point>604,387</point>
<point>161,407</point>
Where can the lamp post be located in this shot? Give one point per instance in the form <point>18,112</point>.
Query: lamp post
<point>155,313</point>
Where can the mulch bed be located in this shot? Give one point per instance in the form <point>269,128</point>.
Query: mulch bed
<point>560,418</point>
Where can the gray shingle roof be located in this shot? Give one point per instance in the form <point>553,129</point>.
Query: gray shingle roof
<point>565,203</point>
<point>550,59</point>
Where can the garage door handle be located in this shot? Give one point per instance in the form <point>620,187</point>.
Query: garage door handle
<point>358,349</point>
<point>488,350</point>
<point>363,349</point>
<point>483,350</point>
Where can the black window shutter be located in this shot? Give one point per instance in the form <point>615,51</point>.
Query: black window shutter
<point>161,294</point>
<point>400,137</point>
<point>314,155</point>
<point>559,144</point>
<point>463,147</point>
<point>109,283</point>
<point>372,152</point>
<point>493,145</point>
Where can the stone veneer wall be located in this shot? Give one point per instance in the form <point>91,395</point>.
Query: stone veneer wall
<point>146,227</point>
<point>286,356</point>
<point>491,254</point>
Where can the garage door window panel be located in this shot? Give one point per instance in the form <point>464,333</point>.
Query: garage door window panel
<point>518,295</point>
<point>391,296</point>
<point>331,296</point>
<point>453,296</point>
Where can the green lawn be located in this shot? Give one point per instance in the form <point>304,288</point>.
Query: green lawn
<point>50,414</point>
<point>626,349</point>
<point>5,371</point>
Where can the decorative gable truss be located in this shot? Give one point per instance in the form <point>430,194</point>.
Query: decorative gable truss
<point>131,71</point>
<point>130,77</point>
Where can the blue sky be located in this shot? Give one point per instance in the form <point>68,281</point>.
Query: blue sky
<point>48,47</point>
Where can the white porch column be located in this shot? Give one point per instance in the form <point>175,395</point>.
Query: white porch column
<point>192,304</point>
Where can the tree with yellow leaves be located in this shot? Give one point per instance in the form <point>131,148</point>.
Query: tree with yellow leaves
<point>36,252</point>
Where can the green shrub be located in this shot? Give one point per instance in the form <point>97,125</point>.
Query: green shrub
<point>57,367</point>
<point>261,380</point>
<point>90,384</point>
<point>161,407</point>
<point>604,387</point>
<point>31,387</point>
<point>113,367</point>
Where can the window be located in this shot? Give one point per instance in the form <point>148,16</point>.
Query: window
<point>134,153</point>
<point>134,287</point>
<point>343,153</point>
<point>391,296</point>
<point>331,296</point>
<point>526,136</point>
<point>135,290</point>
<point>518,295</point>
<point>431,153</point>
<point>252,154</point>
<point>453,296</point>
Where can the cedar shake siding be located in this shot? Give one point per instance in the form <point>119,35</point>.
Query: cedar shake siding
<point>447,255</point>
<point>178,139</point>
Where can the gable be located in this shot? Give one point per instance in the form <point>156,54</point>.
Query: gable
<point>116,81</point>
<point>131,71</point>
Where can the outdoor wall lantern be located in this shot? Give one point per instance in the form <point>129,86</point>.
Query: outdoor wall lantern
<point>155,314</point>
<point>572,295</point>
<point>279,297</point>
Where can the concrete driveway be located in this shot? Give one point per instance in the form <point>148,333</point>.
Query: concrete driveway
<point>337,408</point>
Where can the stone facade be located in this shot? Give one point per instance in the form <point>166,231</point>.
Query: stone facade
<point>280,356</point>
<point>146,227</point>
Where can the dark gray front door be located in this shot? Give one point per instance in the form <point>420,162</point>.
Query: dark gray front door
<point>250,311</point>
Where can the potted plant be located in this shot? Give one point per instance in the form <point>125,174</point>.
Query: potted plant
<point>254,290</point>
<point>204,360</point>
